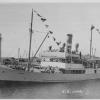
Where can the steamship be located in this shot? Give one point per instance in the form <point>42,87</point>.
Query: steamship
<point>61,65</point>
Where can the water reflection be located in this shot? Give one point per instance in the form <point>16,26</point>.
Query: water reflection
<point>76,90</point>
<point>82,89</point>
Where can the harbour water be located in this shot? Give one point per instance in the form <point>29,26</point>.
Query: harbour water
<point>83,89</point>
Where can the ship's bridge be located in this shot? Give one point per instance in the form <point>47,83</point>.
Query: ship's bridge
<point>58,59</point>
<point>56,54</point>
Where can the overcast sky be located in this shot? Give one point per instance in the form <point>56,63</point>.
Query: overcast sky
<point>63,18</point>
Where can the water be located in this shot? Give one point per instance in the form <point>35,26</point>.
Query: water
<point>83,89</point>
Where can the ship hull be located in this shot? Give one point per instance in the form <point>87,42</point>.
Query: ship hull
<point>20,75</point>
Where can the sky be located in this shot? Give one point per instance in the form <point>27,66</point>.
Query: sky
<point>63,19</point>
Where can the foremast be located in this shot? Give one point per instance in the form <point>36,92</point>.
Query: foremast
<point>31,31</point>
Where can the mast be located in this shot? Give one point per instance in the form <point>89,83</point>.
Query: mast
<point>31,31</point>
<point>18,53</point>
<point>0,46</point>
<point>92,27</point>
<point>91,43</point>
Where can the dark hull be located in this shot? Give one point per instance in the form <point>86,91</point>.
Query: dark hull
<point>25,76</point>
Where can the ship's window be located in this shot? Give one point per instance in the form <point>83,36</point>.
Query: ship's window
<point>44,59</point>
<point>77,71</point>
<point>61,60</point>
<point>91,65</point>
<point>76,60</point>
<point>85,63</point>
<point>72,71</point>
<point>57,60</point>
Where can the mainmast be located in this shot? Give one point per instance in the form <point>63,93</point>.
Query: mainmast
<point>91,44</point>
<point>0,46</point>
<point>31,31</point>
<point>92,27</point>
<point>18,53</point>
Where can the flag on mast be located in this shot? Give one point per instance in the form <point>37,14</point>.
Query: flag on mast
<point>98,31</point>
<point>92,27</point>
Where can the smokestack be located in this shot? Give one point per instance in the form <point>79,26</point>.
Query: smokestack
<point>50,48</point>
<point>76,47</point>
<point>69,43</point>
<point>0,47</point>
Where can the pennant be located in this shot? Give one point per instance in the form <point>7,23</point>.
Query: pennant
<point>54,39</point>
<point>39,15</point>
<point>46,26</point>
<point>58,43</point>
<point>43,19</point>
<point>98,31</point>
<point>92,27</point>
<point>51,32</point>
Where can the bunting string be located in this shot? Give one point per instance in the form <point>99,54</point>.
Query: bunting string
<point>43,19</point>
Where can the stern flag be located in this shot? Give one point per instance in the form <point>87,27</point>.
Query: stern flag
<point>92,27</point>
<point>50,32</point>
<point>43,19</point>
<point>98,31</point>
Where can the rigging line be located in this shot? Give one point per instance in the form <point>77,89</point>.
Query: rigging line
<point>41,44</point>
